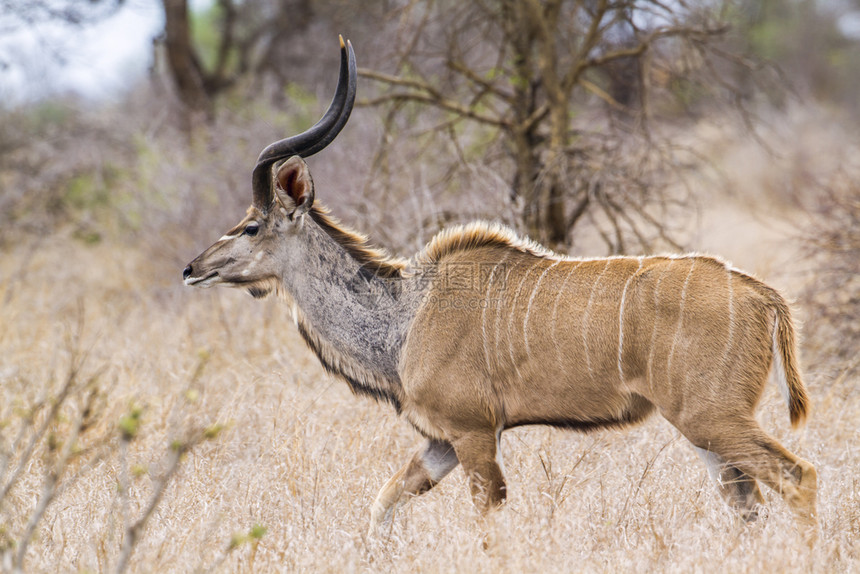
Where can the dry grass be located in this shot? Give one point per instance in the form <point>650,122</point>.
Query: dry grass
<point>303,458</point>
<point>239,423</point>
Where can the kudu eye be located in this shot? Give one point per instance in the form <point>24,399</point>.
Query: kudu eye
<point>252,229</point>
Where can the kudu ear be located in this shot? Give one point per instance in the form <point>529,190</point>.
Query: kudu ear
<point>294,186</point>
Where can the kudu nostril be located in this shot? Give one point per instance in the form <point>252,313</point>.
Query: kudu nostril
<point>186,273</point>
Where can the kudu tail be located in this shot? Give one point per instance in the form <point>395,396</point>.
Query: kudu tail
<point>785,364</point>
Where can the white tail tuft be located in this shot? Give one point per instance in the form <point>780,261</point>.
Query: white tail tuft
<point>778,366</point>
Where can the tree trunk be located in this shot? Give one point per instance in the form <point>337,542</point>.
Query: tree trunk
<point>555,222</point>
<point>544,21</point>
<point>182,59</point>
<point>523,134</point>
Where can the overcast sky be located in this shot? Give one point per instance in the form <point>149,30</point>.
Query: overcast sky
<point>93,61</point>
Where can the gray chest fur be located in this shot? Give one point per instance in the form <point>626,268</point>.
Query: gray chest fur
<point>359,317</point>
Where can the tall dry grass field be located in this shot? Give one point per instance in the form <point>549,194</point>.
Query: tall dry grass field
<point>175,430</point>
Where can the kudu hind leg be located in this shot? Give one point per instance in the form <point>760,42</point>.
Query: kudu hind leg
<point>792,477</point>
<point>756,454</point>
<point>737,488</point>
<point>426,468</point>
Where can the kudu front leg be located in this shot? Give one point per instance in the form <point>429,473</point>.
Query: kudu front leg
<point>426,468</point>
<point>477,453</point>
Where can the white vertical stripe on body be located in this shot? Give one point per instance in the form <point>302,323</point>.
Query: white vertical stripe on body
<point>656,322</point>
<point>586,317</point>
<point>555,313</point>
<point>731,334</point>
<point>511,350</point>
<point>680,320</point>
<point>529,307</point>
<point>487,301</point>
<point>499,311</point>
<point>621,321</point>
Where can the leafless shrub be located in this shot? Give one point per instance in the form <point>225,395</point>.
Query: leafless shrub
<point>51,442</point>
<point>59,166</point>
<point>831,244</point>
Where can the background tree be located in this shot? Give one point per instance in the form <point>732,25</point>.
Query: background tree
<point>570,90</point>
<point>237,33</point>
<point>261,41</point>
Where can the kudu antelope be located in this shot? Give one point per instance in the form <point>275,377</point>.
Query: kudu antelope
<point>482,331</point>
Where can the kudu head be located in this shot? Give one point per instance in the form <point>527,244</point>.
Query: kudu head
<point>253,254</point>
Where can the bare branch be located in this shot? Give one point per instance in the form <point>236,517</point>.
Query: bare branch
<point>134,530</point>
<point>600,93</point>
<point>535,118</point>
<point>644,44</point>
<point>399,81</point>
<point>490,87</point>
<point>36,437</point>
<point>428,95</point>
<point>591,38</point>
<point>49,487</point>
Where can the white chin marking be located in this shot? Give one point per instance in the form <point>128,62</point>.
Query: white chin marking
<point>198,282</point>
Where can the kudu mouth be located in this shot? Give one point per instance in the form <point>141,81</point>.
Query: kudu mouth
<point>205,281</point>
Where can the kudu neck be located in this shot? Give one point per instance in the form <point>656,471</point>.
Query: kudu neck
<point>358,315</point>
